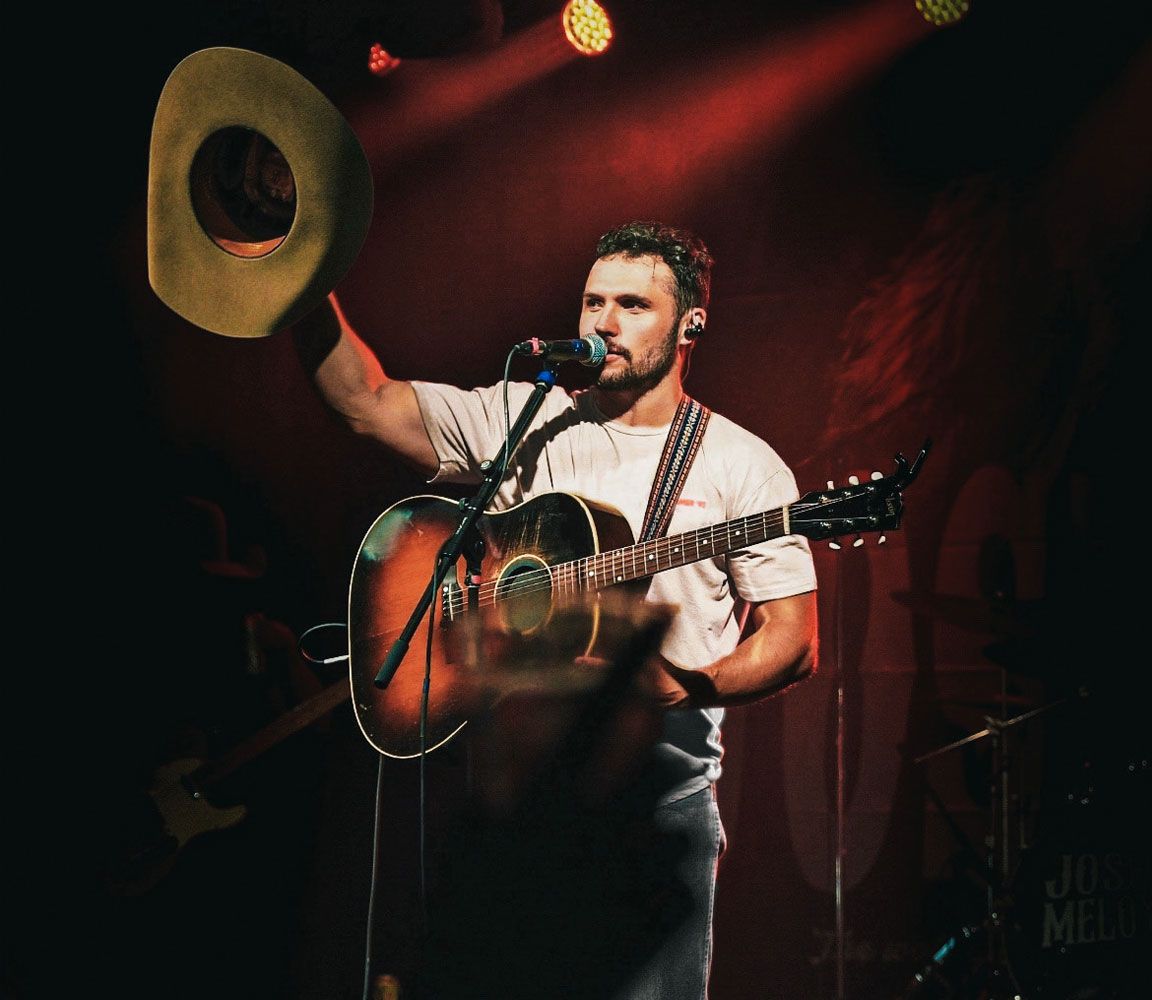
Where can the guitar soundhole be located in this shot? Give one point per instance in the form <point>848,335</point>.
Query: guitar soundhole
<point>524,594</point>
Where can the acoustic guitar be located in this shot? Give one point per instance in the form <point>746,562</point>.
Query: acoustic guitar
<point>553,552</point>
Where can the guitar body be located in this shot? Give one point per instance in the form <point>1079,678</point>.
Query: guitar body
<point>183,814</point>
<point>187,813</point>
<point>393,568</point>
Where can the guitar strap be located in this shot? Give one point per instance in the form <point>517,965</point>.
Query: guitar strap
<point>684,437</point>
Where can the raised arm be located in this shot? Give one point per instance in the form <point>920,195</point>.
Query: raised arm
<point>352,382</point>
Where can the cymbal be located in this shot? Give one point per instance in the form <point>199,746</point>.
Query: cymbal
<point>993,725</point>
<point>970,613</point>
<point>992,703</point>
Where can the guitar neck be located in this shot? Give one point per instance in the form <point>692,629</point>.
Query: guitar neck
<point>634,562</point>
<point>280,729</point>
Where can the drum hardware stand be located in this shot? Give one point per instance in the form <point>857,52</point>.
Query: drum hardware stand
<point>998,980</point>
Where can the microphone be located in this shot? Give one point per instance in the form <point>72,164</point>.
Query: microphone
<point>590,350</point>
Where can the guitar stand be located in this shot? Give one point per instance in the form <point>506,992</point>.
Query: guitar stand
<point>994,977</point>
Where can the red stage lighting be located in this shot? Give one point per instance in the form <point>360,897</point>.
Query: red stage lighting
<point>381,61</point>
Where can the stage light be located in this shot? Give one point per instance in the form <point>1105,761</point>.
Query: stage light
<point>587,26</point>
<point>381,61</point>
<point>941,12</point>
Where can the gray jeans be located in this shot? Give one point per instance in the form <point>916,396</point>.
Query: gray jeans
<point>567,903</point>
<point>679,968</point>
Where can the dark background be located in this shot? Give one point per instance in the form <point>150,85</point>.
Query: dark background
<point>919,232</point>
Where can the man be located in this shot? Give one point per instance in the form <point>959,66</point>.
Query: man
<point>647,296</point>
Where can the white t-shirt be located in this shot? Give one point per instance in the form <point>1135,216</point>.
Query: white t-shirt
<point>572,447</point>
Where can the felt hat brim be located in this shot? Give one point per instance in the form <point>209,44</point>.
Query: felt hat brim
<point>237,244</point>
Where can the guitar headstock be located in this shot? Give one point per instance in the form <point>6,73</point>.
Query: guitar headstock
<point>876,505</point>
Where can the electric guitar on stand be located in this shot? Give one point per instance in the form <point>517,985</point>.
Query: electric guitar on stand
<point>180,792</point>
<point>551,552</point>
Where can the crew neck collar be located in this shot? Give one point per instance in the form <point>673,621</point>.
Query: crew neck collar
<point>619,426</point>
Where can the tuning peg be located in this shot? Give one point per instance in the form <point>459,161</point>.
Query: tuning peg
<point>857,542</point>
<point>835,545</point>
<point>831,485</point>
<point>854,480</point>
<point>877,475</point>
<point>881,540</point>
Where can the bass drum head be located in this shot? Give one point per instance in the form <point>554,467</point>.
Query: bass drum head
<point>1081,901</point>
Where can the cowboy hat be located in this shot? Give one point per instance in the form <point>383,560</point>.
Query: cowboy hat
<point>259,194</point>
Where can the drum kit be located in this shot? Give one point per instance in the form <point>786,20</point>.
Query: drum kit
<point>1066,903</point>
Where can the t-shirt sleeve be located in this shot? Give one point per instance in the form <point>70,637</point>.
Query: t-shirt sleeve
<point>781,567</point>
<point>466,426</point>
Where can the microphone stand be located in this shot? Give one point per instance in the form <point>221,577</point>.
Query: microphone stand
<point>470,511</point>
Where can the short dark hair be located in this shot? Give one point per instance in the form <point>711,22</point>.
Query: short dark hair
<point>683,252</point>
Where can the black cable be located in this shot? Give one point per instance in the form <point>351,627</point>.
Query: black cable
<point>424,755</point>
<point>425,695</point>
<point>425,691</point>
<point>321,661</point>
<point>507,417</point>
<point>372,881</point>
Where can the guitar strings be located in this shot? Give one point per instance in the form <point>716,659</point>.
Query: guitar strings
<point>570,575</point>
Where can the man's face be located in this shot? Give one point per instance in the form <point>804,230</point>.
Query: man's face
<point>630,303</point>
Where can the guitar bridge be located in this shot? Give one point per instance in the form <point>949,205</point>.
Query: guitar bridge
<point>451,602</point>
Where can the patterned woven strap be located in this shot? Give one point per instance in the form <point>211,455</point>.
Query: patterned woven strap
<point>684,437</point>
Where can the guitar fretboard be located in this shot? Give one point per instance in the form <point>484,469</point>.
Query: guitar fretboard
<point>634,562</point>
<point>292,721</point>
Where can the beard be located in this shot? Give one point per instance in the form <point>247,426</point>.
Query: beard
<point>642,374</point>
